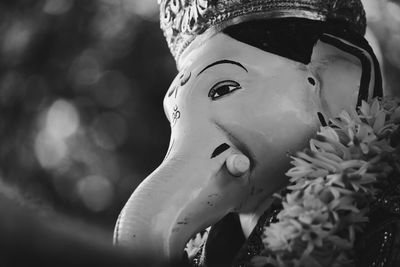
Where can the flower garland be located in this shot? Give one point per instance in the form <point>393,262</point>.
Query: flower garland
<point>332,185</point>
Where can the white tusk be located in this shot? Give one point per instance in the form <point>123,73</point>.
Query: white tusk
<point>238,164</point>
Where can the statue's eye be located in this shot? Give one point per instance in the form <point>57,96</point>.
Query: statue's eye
<point>223,88</point>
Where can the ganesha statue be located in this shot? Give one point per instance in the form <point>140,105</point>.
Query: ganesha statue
<point>257,80</point>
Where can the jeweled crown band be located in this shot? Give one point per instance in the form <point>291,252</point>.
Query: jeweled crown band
<point>183,21</point>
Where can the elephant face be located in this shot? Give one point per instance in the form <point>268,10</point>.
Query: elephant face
<point>259,104</point>
<point>235,113</point>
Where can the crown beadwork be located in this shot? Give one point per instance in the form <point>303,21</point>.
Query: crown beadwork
<point>183,21</point>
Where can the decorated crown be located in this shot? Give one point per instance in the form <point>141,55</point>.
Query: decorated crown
<point>184,21</point>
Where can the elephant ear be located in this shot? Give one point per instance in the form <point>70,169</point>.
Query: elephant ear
<point>345,73</point>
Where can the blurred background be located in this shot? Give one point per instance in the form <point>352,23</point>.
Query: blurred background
<point>81,118</point>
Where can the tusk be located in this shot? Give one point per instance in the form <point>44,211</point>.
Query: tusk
<point>238,164</point>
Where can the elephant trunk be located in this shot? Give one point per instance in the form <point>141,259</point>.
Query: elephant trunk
<point>180,198</point>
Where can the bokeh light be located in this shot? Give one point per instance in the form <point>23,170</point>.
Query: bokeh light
<point>96,192</point>
<point>50,151</point>
<point>109,130</point>
<point>16,38</point>
<point>86,68</point>
<point>112,90</point>
<point>57,7</point>
<point>62,119</point>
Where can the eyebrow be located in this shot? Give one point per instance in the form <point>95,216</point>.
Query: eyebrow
<point>224,61</point>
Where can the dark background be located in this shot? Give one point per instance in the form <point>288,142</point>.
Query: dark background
<point>81,118</point>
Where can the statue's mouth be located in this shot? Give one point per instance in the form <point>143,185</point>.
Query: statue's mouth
<point>196,244</point>
<point>220,242</point>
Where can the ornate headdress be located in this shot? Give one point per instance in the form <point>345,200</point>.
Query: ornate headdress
<point>184,21</point>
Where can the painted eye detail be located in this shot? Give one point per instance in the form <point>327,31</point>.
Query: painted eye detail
<point>223,88</point>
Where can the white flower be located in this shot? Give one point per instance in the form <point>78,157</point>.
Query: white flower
<point>279,235</point>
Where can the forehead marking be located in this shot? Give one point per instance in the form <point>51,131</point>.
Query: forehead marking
<point>183,79</point>
<point>176,115</point>
<point>172,90</point>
